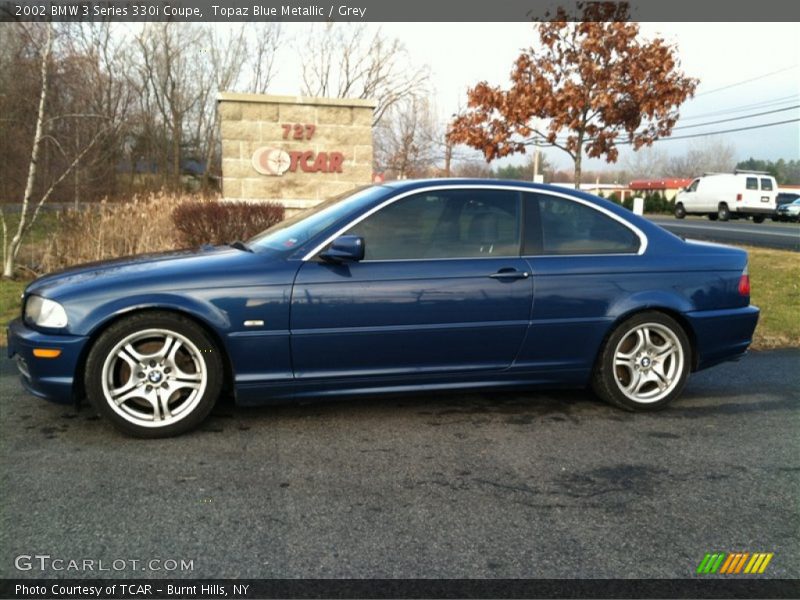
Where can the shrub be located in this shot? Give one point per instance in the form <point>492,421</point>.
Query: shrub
<point>213,222</point>
<point>656,203</point>
<point>109,230</point>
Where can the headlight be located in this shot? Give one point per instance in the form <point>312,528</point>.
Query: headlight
<point>44,312</point>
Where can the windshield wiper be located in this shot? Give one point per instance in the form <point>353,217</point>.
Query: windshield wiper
<point>240,245</point>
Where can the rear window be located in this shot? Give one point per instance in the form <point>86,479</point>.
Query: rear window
<point>752,183</point>
<point>569,227</point>
<point>766,184</point>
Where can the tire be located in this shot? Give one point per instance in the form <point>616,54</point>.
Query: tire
<point>163,369</point>
<point>758,218</point>
<point>631,374</point>
<point>680,211</point>
<point>712,217</point>
<point>723,212</point>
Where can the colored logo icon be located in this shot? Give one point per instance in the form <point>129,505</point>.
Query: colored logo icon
<point>734,563</point>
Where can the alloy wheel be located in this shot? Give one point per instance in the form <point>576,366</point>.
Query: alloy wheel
<point>648,362</point>
<point>154,378</point>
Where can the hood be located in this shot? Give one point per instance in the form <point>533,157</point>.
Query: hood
<point>181,269</point>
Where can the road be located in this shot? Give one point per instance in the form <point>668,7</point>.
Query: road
<point>784,236</point>
<point>548,484</point>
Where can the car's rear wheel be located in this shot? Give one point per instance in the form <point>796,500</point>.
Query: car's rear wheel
<point>723,212</point>
<point>758,218</point>
<point>154,374</point>
<point>644,363</point>
<point>680,211</point>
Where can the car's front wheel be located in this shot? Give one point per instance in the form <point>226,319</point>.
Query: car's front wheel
<point>723,212</point>
<point>154,374</point>
<point>758,218</point>
<point>644,363</point>
<point>680,211</point>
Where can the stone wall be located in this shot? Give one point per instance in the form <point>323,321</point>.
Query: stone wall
<point>293,150</point>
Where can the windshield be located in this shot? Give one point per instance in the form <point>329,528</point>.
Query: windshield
<point>298,229</point>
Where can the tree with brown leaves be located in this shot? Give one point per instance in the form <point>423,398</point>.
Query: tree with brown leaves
<point>595,82</point>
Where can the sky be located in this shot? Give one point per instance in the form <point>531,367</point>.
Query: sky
<point>721,55</point>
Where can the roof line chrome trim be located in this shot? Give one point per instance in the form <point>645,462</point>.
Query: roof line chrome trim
<point>639,233</point>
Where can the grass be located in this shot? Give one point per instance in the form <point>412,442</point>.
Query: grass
<point>775,289</point>
<point>774,276</point>
<point>9,303</point>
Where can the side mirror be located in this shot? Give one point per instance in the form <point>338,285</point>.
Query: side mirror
<point>345,248</point>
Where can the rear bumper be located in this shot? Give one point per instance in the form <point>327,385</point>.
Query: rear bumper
<point>722,335</point>
<point>754,210</point>
<point>50,378</point>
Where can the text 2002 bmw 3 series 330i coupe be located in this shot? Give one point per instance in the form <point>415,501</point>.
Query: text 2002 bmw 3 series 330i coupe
<point>403,287</point>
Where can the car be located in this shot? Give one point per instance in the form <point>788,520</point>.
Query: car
<point>788,212</point>
<point>725,196</point>
<point>404,287</point>
<point>786,198</point>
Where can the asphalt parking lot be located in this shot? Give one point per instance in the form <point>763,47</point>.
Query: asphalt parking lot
<point>547,484</point>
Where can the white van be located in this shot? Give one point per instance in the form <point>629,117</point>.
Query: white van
<point>726,196</point>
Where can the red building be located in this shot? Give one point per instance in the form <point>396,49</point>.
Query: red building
<point>667,187</point>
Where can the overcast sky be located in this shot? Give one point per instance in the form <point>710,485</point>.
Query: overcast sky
<point>719,54</point>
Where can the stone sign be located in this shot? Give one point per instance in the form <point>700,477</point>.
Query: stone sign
<point>294,150</point>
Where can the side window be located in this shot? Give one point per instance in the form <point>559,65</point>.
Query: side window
<point>569,227</point>
<point>445,224</point>
<point>693,187</point>
<point>766,184</point>
<point>752,183</point>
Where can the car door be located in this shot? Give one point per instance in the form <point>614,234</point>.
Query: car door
<point>442,288</point>
<point>752,193</point>
<point>584,262</point>
<point>690,198</point>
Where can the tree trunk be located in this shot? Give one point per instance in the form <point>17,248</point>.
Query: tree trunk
<point>176,154</point>
<point>578,158</point>
<point>16,241</point>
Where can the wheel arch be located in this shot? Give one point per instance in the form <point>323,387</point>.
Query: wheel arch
<point>102,326</point>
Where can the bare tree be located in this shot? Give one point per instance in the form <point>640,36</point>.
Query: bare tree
<point>41,135</point>
<point>173,81</point>
<point>705,155</point>
<point>267,38</point>
<point>224,62</point>
<point>99,53</point>
<point>346,61</point>
<point>407,140</point>
<point>648,162</point>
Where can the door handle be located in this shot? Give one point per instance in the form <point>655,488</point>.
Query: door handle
<point>510,274</point>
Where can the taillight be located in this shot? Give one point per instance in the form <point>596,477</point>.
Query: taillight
<point>738,197</point>
<point>744,283</point>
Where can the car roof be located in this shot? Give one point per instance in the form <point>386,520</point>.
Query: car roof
<point>410,184</point>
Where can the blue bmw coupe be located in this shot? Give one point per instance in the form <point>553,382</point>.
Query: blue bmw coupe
<point>404,287</point>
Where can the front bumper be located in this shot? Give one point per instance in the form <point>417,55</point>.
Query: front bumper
<point>50,378</point>
<point>722,335</point>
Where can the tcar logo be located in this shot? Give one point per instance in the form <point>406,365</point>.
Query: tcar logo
<point>271,161</point>
<point>274,161</point>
